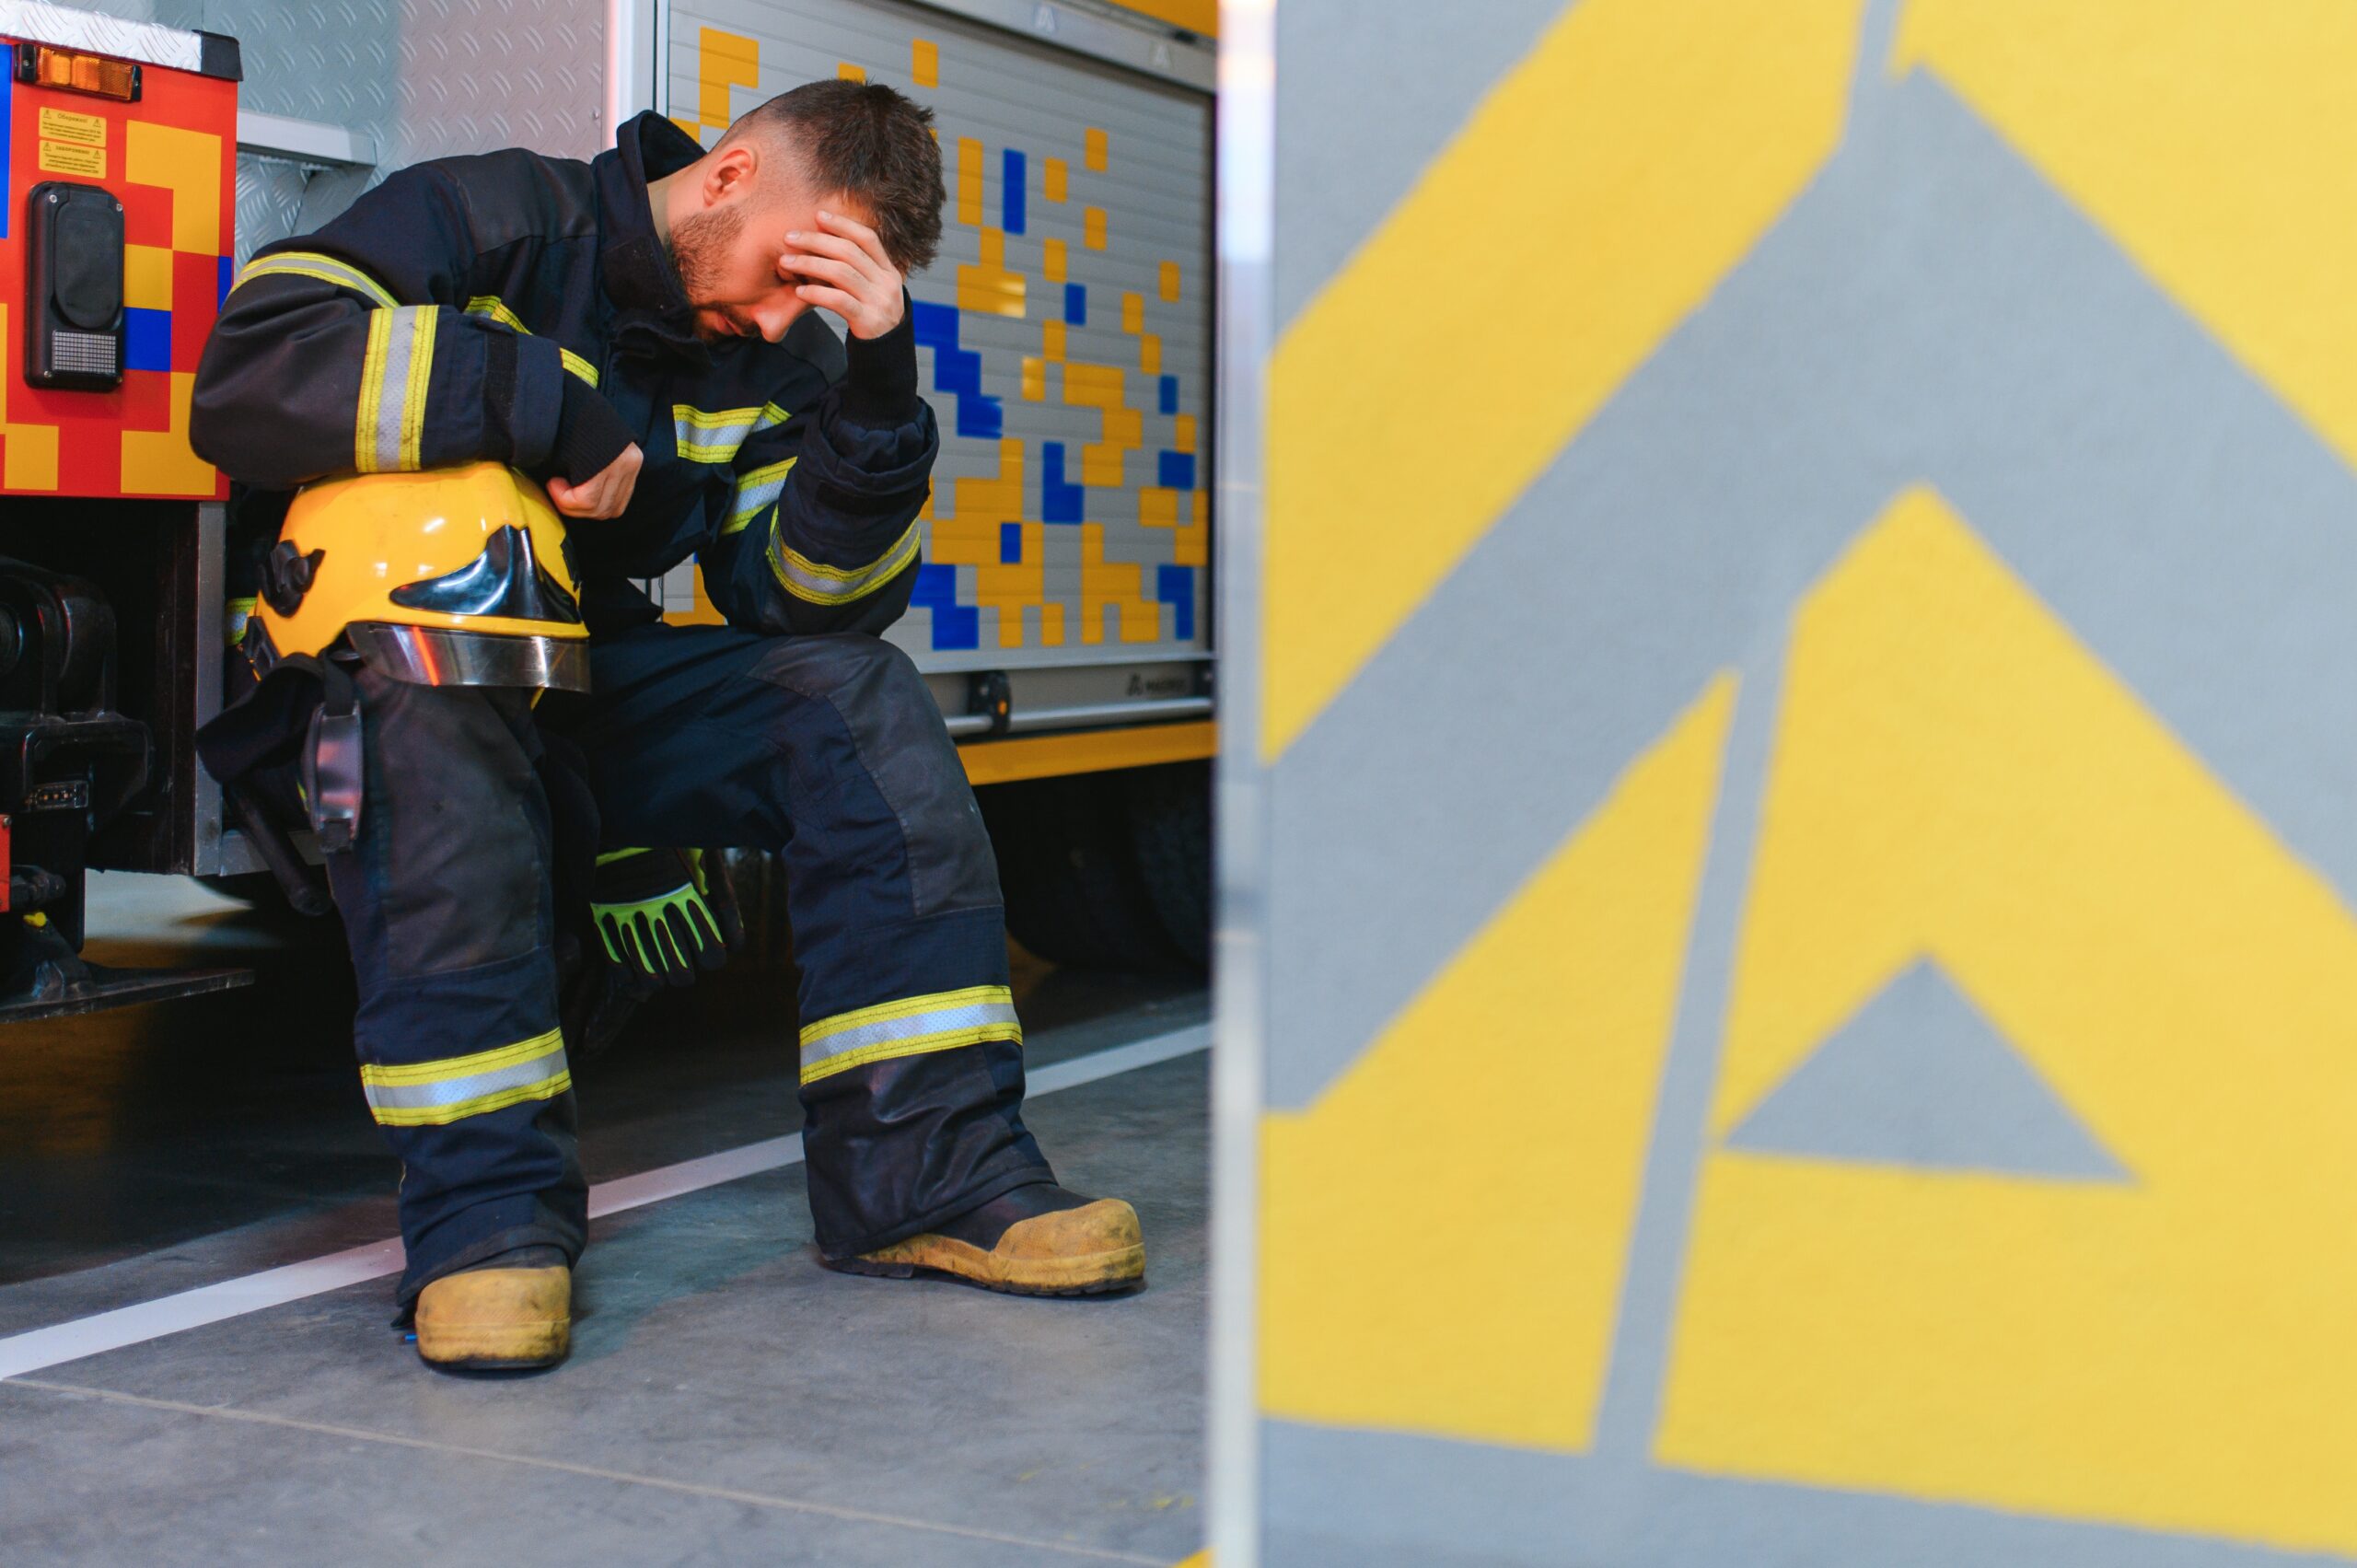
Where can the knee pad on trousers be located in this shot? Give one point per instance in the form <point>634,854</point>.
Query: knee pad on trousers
<point>901,744</point>
<point>452,862</point>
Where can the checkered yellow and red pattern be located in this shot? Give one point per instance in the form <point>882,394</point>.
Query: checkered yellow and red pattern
<point>170,159</point>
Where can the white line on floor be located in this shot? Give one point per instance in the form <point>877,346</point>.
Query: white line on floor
<point>39,1348</point>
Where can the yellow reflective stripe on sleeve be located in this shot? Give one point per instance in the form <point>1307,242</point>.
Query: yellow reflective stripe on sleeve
<point>808,580</point>
<point>755,488</point>
<point>395,374</point>
<point>491,305</point>
<point>421,374</point>
<point>714,436</point>
<point>311,264</point>
<point>910,1027</point>
<point>689,417</point>
<point>372,391</point>
<point>704,437</point>
<point>424,1094</point>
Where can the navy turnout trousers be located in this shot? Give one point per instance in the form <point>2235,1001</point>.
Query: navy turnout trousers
<point>827,750</point>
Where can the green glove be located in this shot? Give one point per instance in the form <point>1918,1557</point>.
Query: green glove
<point>652,911</point>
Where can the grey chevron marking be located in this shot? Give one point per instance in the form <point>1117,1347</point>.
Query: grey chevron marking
<point>1929,310</point>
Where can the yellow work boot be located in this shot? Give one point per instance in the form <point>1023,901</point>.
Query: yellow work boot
<point>498,1317</point>
<point>1037,1240</point>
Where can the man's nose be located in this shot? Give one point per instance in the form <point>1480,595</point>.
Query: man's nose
<point>774,319</point>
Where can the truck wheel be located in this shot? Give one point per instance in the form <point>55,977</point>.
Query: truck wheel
<point>1068,867</point>
<point>1170,828</point>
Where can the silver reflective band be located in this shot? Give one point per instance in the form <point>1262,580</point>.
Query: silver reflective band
<point>481,1086</point>
<point>910,1027</point>
<point>435,1094</point>
<point>431,656</point>
<point>756,489</point>
<point>714,437</point>
<point>969,1016</point>
<point>394,375</point>
<point>806,579</point>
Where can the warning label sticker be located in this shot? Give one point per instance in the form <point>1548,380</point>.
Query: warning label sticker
<point>64,126</point>
<point>67,158</point>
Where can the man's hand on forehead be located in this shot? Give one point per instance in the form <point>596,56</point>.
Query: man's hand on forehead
<point>840,267</point>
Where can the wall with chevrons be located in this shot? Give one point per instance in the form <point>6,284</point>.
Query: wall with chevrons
<point>1808,754</point>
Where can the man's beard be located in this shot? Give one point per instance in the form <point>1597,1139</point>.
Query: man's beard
<point>699,247</point>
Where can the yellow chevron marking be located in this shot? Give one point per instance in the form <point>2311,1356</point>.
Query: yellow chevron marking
<point>2211,140</point>
<point>1955,775</point>
<point>1594,199</point>
<point>1524,1077</point>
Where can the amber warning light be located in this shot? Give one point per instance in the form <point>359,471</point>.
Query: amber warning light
<point>39,65</point>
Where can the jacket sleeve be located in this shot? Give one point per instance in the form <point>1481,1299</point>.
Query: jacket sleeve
<point>822,533</point>
<point>345,352</point>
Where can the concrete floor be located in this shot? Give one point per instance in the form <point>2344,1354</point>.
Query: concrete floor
<point>727,1400</point>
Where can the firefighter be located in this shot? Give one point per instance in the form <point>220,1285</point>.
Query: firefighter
<point>488,743</point>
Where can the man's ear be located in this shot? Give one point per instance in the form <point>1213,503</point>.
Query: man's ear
<point>728,173</point>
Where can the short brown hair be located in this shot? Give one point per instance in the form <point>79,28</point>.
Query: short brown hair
<point>867,141</point>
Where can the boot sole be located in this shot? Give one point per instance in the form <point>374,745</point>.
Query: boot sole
<point>493,1362</point>
<point>1108,1283</point>
<point>496,1357</point>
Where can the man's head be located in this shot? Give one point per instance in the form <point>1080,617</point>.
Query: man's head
<point>855,149</point>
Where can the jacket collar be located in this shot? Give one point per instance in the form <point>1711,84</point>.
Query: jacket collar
<point>651,309</point>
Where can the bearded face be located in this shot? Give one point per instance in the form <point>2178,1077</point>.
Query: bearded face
<point>705,248</point>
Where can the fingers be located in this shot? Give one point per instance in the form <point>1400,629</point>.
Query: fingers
<point>720,902</point>
<point>640,943</point>
<point>820,272</point>
<point>566,498</point>
<point>605,494</point>
<point>852,309</point>
<point>859,234</point>
<point>710,951</point>
<point>845,270</point>
<point>804,268</point>
<point>675,930</point>
<point>616,480</point>
<point>811,245</point>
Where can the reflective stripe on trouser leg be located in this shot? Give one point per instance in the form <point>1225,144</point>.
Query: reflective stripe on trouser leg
<point>829,749</point>
<point>913,1108</point>
<point>910,1027</point>
<point>446,907</point>
<point>435,1094</point>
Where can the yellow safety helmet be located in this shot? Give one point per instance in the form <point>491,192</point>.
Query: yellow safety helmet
<point>449,577</point>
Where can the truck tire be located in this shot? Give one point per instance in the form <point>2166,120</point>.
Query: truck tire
<point>1170,831</point>
<point>1068,869</point>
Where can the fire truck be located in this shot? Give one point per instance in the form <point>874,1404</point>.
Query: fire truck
<point>1063,612</point>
